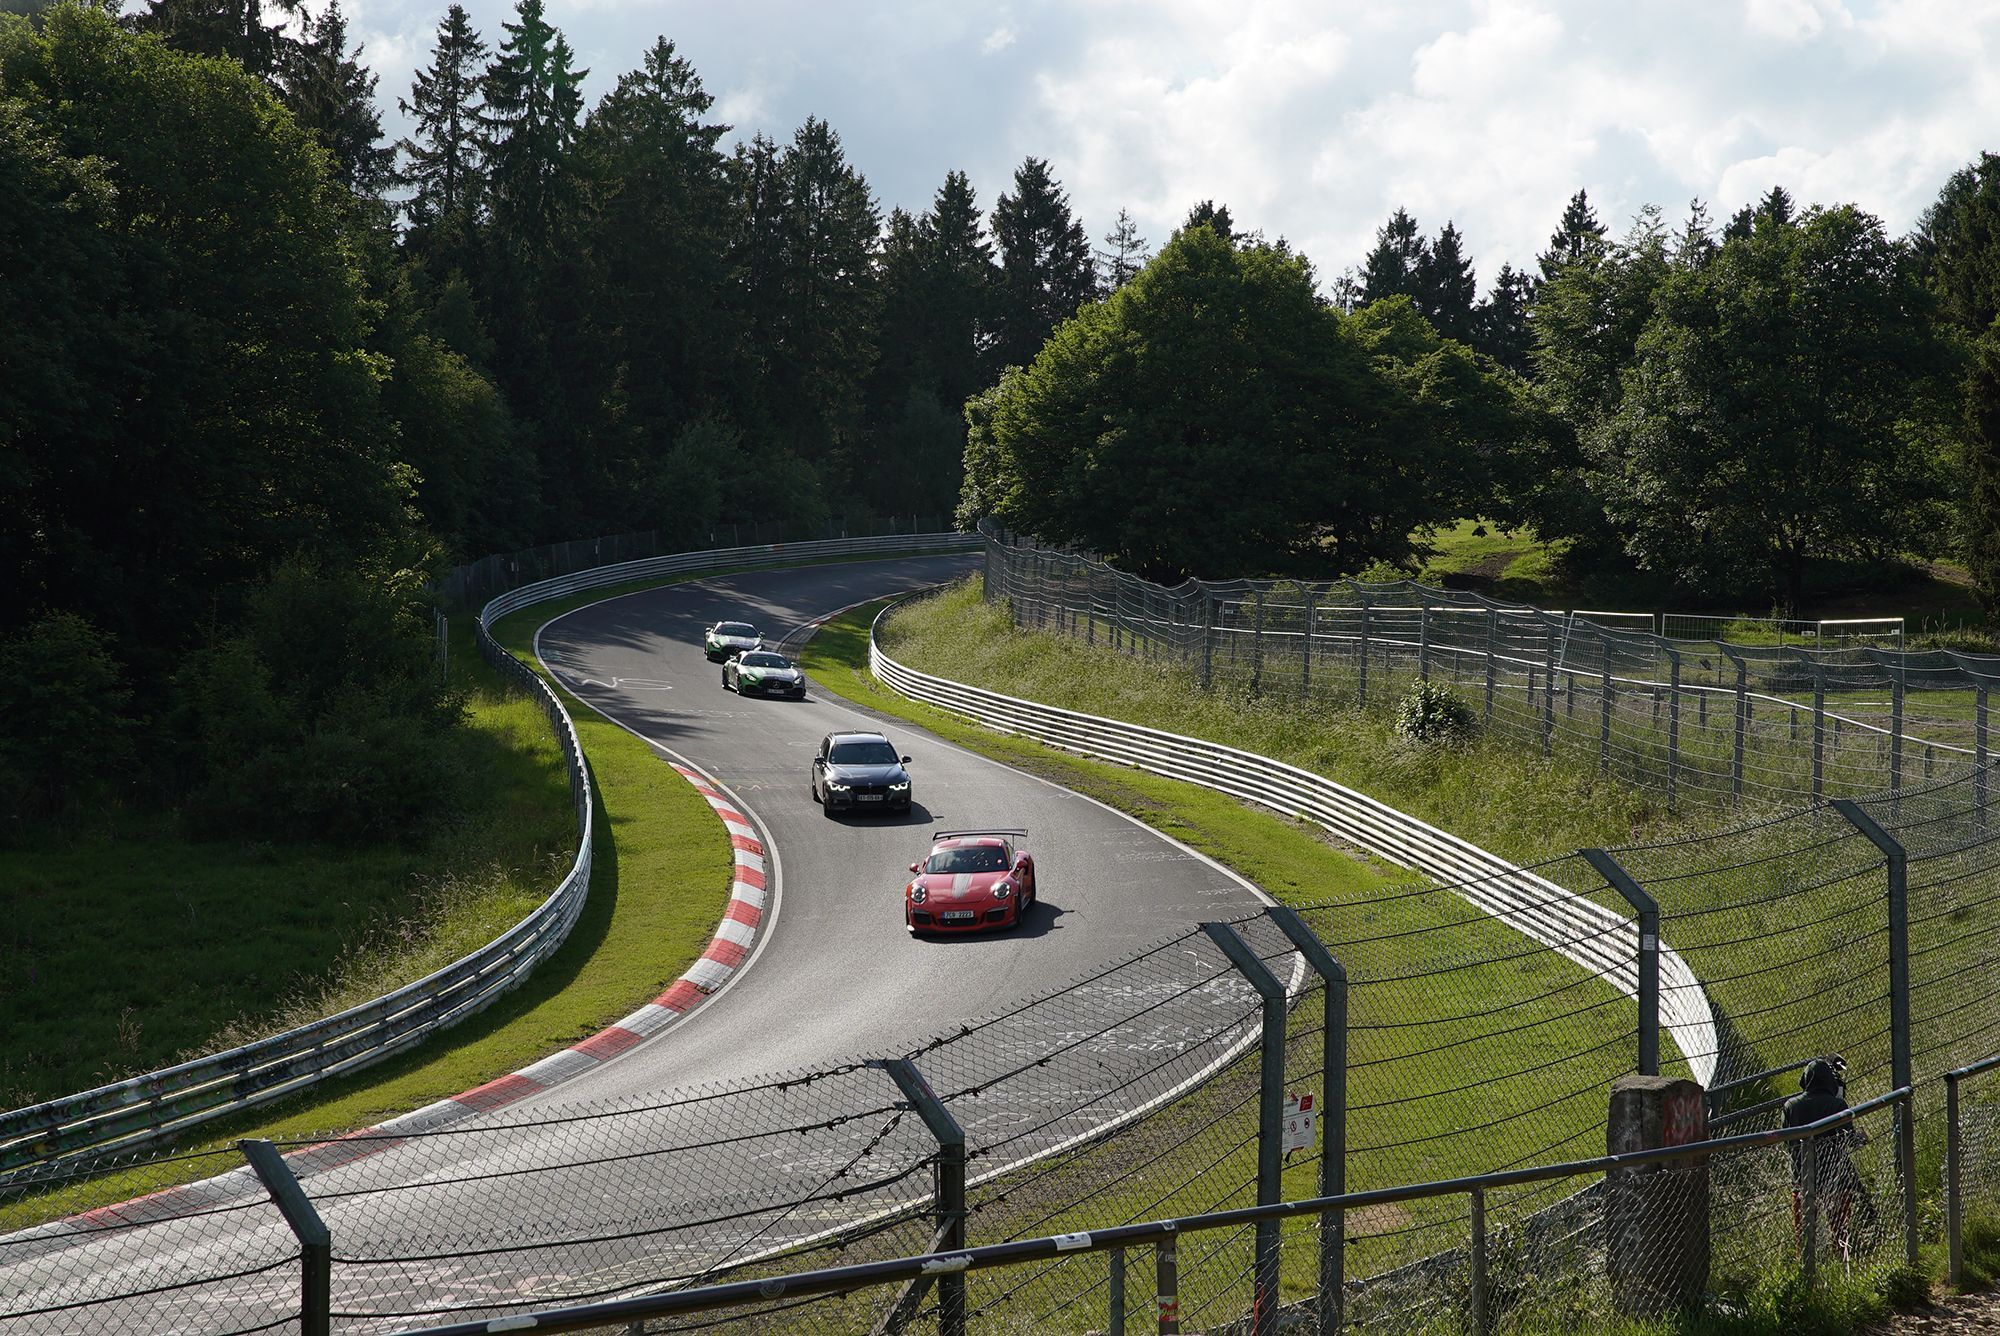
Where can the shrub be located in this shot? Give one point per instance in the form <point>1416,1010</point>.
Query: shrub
<point>320,717</point>
<point>1432,715</point>
<point>64,734</point>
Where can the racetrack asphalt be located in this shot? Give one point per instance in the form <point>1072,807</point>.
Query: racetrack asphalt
<point>613,1180</point>
<point>835,973</point>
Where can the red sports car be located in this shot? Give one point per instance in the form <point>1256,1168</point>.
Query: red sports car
<point>973,879</point>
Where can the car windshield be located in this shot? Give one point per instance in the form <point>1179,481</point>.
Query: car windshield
<point>763,661</point>
<point>735,629</point>
<point>871,751</point>
<point>970,858</point>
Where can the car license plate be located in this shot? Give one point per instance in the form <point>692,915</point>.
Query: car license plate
<point>868,797</point>
<point>956,915</point>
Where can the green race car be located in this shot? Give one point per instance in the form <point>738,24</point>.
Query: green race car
<point>725,640</point>
<point>762,673</point>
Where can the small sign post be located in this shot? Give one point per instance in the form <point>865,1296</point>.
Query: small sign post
<point>1301,1123</point>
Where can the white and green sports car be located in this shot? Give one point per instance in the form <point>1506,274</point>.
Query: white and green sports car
<point>727,639</point>
<point>762,673</point>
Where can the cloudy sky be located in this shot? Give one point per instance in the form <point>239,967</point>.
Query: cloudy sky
<point>1316,120</point>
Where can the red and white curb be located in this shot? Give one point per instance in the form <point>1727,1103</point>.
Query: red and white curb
<point>726,953</point>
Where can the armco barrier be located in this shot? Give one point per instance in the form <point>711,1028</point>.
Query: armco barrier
<point>147,1109</point>
<point>1600,940</point>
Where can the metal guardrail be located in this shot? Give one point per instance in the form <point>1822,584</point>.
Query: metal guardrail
<point>140,1110</point>
<point>1602,941</point>
<point>1165,1237</point>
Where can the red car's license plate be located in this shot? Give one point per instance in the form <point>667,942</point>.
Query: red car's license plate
<point>957,915</point>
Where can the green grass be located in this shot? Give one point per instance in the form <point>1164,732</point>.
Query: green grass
<point>1936,598</point>
<point>956,636</point>
<point>125,947</point>
<point>1422,963</point>
<point>1521,806</point>
<point>661,880</point>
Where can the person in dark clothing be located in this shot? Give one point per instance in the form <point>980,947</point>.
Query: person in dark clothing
<point>1820,1164</point>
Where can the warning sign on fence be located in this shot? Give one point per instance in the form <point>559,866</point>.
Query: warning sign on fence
<point>1301,1123</point>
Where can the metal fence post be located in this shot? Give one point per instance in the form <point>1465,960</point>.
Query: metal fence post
<point>1424,641</point>
<point>1257,648</point>
<point>1979,757</point>
<point>1648,910</point>
<point>1270,1117</point>
<point>1954,1182</point>
<point>1896,730</point>
<point>1604,713</point>
<point>1901,1061</point>
<point>950,1183</point>
<point>1333,1099</point>
<point>1549,696</point>
<point>1167,1284</point>
<point>1207,638</point>
<point>1742,725</point>
<point>1480,1324</point>
<point>1819,732</point>
<point>1492,659</point>
<point>315,1243</point>
<point>1306,642</point>
<point>1809,1231</point>
<point>1117,1304</point>
<point>1364,643</point>
<point>1673,724</point>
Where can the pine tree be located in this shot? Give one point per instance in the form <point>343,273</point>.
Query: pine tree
<point>1696,244</point>
<point>1776,207</point>
<point>658,242</point>
<point>1207,212</point>
<point>1046,269</point>
<point>333,97</point>
<point>533,102</point>
<point>1501,328</point>
<point>1578,238</point>
<point>444,166</point>
<point>232,29</point>
<point>1127,254</point>
<point>1446,288</point>
<point>1391,268</point>
<point>1741,224</point>
<point>825,342</point>
<point>959,279</point>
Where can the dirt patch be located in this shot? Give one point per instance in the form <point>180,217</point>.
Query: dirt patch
<point>1386,1218</point>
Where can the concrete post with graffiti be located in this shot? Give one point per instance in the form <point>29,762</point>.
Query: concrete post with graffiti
<point>1656,1215</point>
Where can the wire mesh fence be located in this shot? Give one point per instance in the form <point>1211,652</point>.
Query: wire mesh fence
<point>1454,1042</point>
<point>1726,722</point>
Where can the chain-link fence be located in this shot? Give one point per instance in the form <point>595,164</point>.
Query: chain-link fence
<point>1423,1027</point>
<point>1729,722</point>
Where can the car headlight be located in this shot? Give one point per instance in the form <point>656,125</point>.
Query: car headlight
<point>900,785</point>
<point>837,785</point>
<point>1002,889</point>
<point>918,894</point>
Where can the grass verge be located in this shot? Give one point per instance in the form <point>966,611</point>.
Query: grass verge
<point>661,879</point>
<point>1426,967</point>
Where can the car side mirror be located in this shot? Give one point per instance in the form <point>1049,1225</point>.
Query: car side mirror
<point>915,868</point>
<point>818,761</point>
<point>906,760</point>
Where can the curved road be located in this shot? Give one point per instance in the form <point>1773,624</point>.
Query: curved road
<point>607,1182</point>
<point>835,973</point>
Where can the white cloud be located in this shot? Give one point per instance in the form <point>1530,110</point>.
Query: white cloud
<point>1315,119</point>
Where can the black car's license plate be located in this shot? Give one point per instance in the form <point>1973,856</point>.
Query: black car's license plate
<point>956,915</point>
<point>868,797</point>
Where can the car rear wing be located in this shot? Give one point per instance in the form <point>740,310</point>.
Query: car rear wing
<point>937,835</point>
